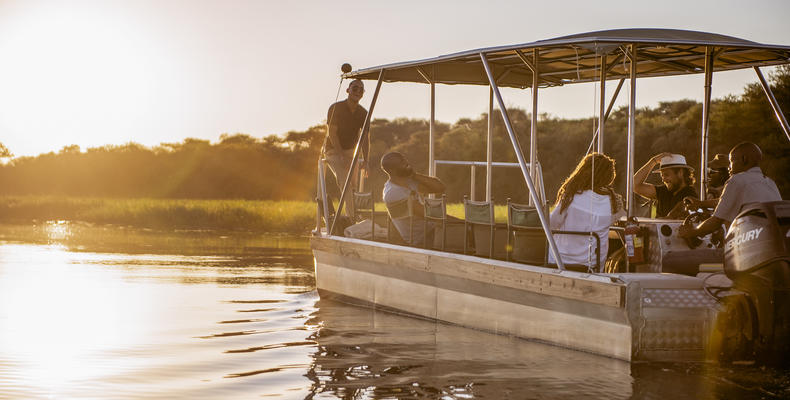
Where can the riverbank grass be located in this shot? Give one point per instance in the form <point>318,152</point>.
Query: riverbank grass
<point>249,215</point>
<point>295,217</point>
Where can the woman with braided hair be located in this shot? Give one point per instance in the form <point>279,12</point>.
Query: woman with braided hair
<point>586,202</point>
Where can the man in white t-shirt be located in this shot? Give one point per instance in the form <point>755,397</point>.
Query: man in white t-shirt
<point>402,185</point>
<point>747,184</point>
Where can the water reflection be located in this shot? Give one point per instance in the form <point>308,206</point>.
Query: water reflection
<point>99,312</point>
<point>369,354</point>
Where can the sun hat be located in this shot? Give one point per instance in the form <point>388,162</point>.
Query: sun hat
<point>721,161</point>
<point>674,161</point>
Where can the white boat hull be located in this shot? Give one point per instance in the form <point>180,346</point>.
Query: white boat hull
<point>660,317</point>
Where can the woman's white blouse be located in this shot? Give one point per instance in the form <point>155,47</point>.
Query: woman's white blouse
<point>588,212</point>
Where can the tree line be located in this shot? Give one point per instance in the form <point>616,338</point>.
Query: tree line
<point>283,167</point>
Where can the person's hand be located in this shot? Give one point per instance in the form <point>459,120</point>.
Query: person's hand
<point>686,231</point>
<point>657,158</point>
<point>692,203</point>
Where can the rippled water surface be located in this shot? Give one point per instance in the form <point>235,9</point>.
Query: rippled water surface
<point>93,312</point>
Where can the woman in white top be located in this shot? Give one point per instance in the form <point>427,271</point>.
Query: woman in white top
<point>586,202</point>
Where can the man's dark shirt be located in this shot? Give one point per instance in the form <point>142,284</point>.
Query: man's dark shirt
<point>666,200</point>
<point>348,124</point>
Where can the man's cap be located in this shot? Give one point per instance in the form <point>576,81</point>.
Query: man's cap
<point>674,161</point>
<point>721,161</point>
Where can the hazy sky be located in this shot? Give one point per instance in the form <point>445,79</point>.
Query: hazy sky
<point>108,72</point>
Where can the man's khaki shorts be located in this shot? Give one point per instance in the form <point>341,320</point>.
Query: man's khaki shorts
<point>340,162</point>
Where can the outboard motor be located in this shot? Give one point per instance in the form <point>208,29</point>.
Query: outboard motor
<point>757,260</point>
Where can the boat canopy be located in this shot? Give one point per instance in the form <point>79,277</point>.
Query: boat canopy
<point>578,58</point>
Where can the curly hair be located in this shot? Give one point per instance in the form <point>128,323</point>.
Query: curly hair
<point>595,171</point>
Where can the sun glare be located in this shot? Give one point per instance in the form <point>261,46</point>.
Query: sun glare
<point>58,315</point>
<point>76,74</point>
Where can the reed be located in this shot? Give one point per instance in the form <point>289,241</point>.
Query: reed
<point>251,215</point>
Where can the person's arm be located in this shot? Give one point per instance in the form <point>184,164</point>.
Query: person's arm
<point>706,227</point>
<point>332,128</point>
<point>677,211</point>
<point>334,140</point>
<point>428,184</point>
<point>620,208</point>
<point>640,187</point>
<point>556,219</point>
<point>696,203</point>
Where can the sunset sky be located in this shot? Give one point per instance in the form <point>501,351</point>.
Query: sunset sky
<point>108,72</point>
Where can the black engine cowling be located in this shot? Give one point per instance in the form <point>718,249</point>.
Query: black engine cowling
<point>757,260</point>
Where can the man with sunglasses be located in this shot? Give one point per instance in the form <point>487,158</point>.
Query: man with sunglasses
<point>718,174</point>
<point>344,121</point>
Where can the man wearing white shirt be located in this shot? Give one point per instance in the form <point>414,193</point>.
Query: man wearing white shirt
<point>747,184</point>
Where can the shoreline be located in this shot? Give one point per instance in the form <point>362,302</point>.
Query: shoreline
<point>269,216</point>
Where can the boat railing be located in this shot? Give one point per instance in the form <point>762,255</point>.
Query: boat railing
<point>322,201</point>
<point>473,173</point>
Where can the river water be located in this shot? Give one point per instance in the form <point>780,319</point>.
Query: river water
<point>114,312</point>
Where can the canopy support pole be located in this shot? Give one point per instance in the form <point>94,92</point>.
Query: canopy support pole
<point>629,189</point>
<point>709,54</point>
<point>533,128</point>
<point>489,144</point>
<point>432,133</point>
<point>601,115</point>
<point>525,171</point>
<point>365,129</point>
<point>774,104</point>
<point>606,114</point>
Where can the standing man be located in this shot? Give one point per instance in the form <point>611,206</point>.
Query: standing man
<point>344,121</point>
<point>678,179</point>
<point>747,184</point>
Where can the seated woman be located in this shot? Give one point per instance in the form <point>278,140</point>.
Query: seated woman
<point>586,202</point>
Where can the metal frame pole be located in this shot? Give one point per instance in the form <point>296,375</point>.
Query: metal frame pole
<point>489,143</point>
<point>432,133</point>
<point>365,129</point>
<point>631,132</point>
<point>601,116</point>
<point>705,122</point>
<point>774,104</point>
<point>533,194</point>
<point>533,129</point>
<point>322,189</point>
<point>606,114</point>
<point>472,182</point>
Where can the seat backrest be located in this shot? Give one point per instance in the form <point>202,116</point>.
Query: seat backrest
<point>400,208</point>
<point>479,212</point>
<point>522,216</point>
<point>435,209</point>
<point>363,201</point>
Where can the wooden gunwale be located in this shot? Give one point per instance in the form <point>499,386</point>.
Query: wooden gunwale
<point>595,289</point>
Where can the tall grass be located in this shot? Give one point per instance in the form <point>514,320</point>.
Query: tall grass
<point>248,215</point>
<point>265,216</point>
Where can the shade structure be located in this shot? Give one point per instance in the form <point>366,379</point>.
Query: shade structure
<point>577,59</point>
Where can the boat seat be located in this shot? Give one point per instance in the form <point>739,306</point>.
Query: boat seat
<point>448,234</point>
<point>532,247</point>
<point>405,209</point>
<point>490,238</point>
<point>364,204</point>
<point>526,239</point>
